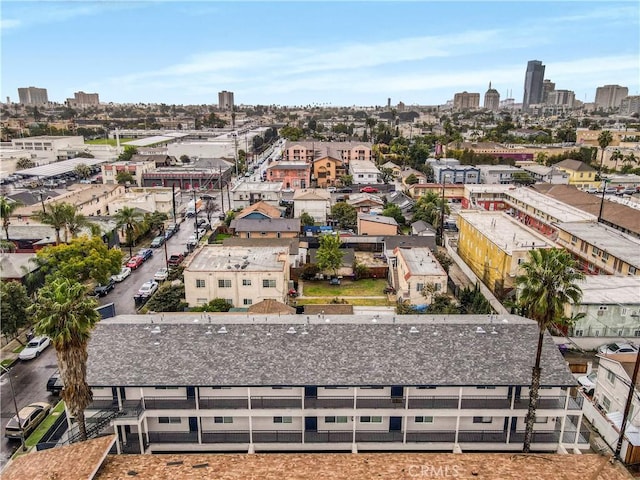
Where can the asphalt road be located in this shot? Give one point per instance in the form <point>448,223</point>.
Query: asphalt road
<point>29,380</point>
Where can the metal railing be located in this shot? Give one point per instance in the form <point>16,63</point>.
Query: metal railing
<point>344,436</point>
<point>433,402</point>
<point>432,436</point>
<point>225,437</point>
<point>167,403</point>
<point>551,436</point>
<point>482,436</point>
<point>486,402</point>
<point>223,402</point>
<point>379,436</point>
<point>173,437</point>
<point>276,402</point>
<point>328,402</point>
<point>575,403</point>
<point>380,402</point>
<point>277,436</point>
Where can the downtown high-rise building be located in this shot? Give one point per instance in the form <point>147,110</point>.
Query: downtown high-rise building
<point>33,96</point>
<point>82,99</point>
<point>466,101</point>
<point>492,99</point>
<point>225,100</point>
<point>610,96</point>
<point>533,80</point>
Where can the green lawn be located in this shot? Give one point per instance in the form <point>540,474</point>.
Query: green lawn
<point>19,349</point>
<point>359,288</point>
<point>107,141</point>
<point>39,432</point>
<point>6,362</point>
<point>360,302</point>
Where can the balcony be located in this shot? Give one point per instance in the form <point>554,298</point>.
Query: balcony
<point>379,436</point>
<point>167,403</point>
<point>173,437</point>
<point>433,402</point>
<point>213,403</point>
<point>432,436</point>
<point>380,402</point>
<point>275,436</point>
<point>550,436</point>
<point>103,403</point>
<point>329,402</point>
<point>485,402</point>
<point>575,403</point>
<point>276,402</point>
<point>345,436</point>
<point>225,437</point>
<point>482,436</point>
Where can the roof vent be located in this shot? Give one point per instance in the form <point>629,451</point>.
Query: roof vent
<point>399,332</point>
<point>493,331</point>
<point>222,329</point>
<point>374,319</point>
<point>480,330</point>
<point>291,330</point>
<point>414,330</point>
<point>196,320</point>
<point>155,329</point>
<point>304,331</point>
<point>504,320</point>
<point>208,332</point>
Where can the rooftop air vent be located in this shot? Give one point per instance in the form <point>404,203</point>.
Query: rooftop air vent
<point>222,329</point>
<point>480,330</point>
<point>291,330</point>
<point>414,330</point>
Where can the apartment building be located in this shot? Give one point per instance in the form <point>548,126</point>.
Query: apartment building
<point>364,172</point>
<point>292,175</point>
<point>314,201</point>
<point>417,275</point>
<point>249,193</point>
<point>266,227</point>
<point>345,383</point>
<point>81,99</point>
<point>33,96</point>
<point>497,174</point>
<point>466,101</point>
<point>581,175</point>
<point>225,100</point>
<point>309,151</point>
<point>327,171</point>
<point>600,249</point>
<point>610,96</point>
<point>494,245</point>
<point>456,174</point>
<point>241,275</point>
<point>553,175</point>
<point>136,169</point>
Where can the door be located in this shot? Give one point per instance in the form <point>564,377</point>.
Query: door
<point>193,424</point>
<point>395,424</point>
<point>311,392</point>
<point>396,392</point>
<point>191,392</point>
<point>310,424</point>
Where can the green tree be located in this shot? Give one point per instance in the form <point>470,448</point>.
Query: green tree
<point>66,315</point>
<point>329,255</point>
<point>124,176</point>
<point>82,170</point>
<point>386,175</point>
<point>604,140</point>
<point>615,156</point>
<point>547,284</point>
<point>129,151</point>
<point>215,305</point>
<point>129,220</point>
<point>473,302</point>
<point>412,179</point>
<point>392,210</point>
<point>346,180</point>
<point>14,302</point>
<point>56,215</point>
<point>24,163</point>
<point>522,178</point>
<point>155,221</point>
<point>344,214</point>
<point>443,259</point>
<point>7,207</point>
<point>76,222</point>
<point>306,220</point>
<point>169,298</point>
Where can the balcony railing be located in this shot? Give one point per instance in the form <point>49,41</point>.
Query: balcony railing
<point>173,437</point>
<point>332,402</point>
<point>550,436</point>
<point>433,402</point>
<point>167,403</point>
<point>345,436</point>
<point>380,402</point>
<point>103,403</point>
<point>482,436</point>
<point>276,402</point>
<point>275,436</point>
<point>225,437</point>
<point>379,436</point>
<point>432,436</point>
<point>575,403</point>
<point>223,402</point>
<point>486,402</point>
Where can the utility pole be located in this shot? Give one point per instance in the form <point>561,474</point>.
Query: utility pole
<point>627,407</point>
<point>220,186</point>
<point>173,198</point>
<point>15,405</point>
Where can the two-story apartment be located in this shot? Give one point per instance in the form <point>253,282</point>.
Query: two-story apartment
<point>309,151</point>
<point>456,174</point>
<point>417,275</point>
<point>248,193</point>
<point>314,201</point>
<point>580,174</point>
<point>290,174</point>
<point>364,172</point>
<point>110,171</point>
<point>240,275</point>
<point>345,383</point>
<point>266,227</point>
<point>497,174</point>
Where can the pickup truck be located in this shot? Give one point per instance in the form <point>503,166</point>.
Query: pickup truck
<point>54,384</point>
<point>175,259</point>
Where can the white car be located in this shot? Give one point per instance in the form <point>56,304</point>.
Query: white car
<point>124,273</point>
<point>613,348</point>
<point>588,382</point>
<point>34,348</point>
<point>161,275</point>
<point>148,288</point>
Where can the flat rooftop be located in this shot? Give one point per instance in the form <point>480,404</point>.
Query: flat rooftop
<point>257,187</point>
<point>507,233</point>
<point>58,168</point>
<point>610,290</point>
<point>222,258</point>
<point>192,349</point>
<point>555,209</point>
<point>421,261</point>
<point>607,239</point>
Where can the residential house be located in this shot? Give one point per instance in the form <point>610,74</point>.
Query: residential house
<point>494,245</point>
<point>292,175</point>
<point>110,171</point>
<point>394,167</point>
<point>260,210</point>
<point>365,202</point>
<point>245,194</point>
<point>327,171</point>
<point>610,307</point>
<point>497,174</point>
<point>257,386</point>
<point>541,173</point>
<point>241,275</point>
<point>422,228</point>
<point>16,266</point>
<point>151,199</point>
<point>408,172</point>
<point>266,227</point>
<point>403,201</point>
<point>580,174</point>
<point>364,172</point>
<point>460,174</point>
<point>314,201</point>
<point>159,160</point>
<point>417,275</point>
<point>376,225</point>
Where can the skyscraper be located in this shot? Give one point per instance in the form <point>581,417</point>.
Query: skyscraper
<point>492,99</point>
<point>33,96</point>
<point>466,101</point>
<point>225,100</point>
<point>533,84</point>
<point>610,96</point>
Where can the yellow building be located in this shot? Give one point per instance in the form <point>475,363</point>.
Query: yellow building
<point>581,175</point>
<point>327,170</point>
<point>493,245</point>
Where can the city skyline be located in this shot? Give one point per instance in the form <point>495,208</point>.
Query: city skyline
<point>318,53</point>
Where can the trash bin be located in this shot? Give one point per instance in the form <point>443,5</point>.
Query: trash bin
<point>29,335</point>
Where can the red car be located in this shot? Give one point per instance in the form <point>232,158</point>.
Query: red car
<point>135,262</point>
<point>368,190</point>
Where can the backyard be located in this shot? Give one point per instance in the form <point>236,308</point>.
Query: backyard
<point>367,287</point>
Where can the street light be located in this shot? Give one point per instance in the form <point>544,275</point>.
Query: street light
<point>15,405</point>
<point>604,189</point>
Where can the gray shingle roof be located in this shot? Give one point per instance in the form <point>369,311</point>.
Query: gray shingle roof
<point>350,350</point>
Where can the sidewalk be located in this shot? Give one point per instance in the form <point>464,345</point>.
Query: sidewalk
<point>7,357</point>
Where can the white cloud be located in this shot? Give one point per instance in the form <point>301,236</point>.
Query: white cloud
<point>8,24</point>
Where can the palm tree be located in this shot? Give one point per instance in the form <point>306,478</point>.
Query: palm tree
<point>66,315</point>
<point>76,222</point>
<point>546,286</point>
<point>56,216</point>
<point>630,159</point>
<point>129,219</point>
<point>615,156</point>
<point>604,140</point>
<point>6,210</point>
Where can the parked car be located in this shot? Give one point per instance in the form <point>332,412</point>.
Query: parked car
<point>161,275</point>
<point>34,348</point>
<point>331,189</point>
<point>54,384</point>
<point>103,290</point>
<point>134,262</point>
<point>626,191</point>
<point>202,232</point>
<point>145,254</point>
<point>124,273</point>
<point>158,241</point>
<point>175,259</point>
<point>334,281</point>
<point>588,382</point>
<point>368,190</point>
<point>30,417</point>
<point>204,223</point>
<point>611,348</point>
<point>148,288</point>
<point>344,190</point>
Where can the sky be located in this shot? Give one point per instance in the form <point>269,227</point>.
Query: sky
<point>313,53</point>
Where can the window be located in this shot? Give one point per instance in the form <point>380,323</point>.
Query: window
<point>482,419</point>
<point>611,377</point>
<point>595,251</point>
<point>335,419</point>
<point>541,419</point>
<point>370,419</point>
<point>632,270</point>
<point>169,420</point>
<point>426,388</point>
<point>605,256</point>
<point>574,239</point>
<point>419,287</point>
<point>200,283</point>
<point>282,420</point>
<point>224,283</point>
<point>424,419</point>
<point>222,419</point>
<point>268,283</point>
<point>606,403</point>
<point>623,312</point>
<point>485,388</point>
<point>166,388</point>
<point>246,282</point>
<point>281,388</point>
<point>247,301</point>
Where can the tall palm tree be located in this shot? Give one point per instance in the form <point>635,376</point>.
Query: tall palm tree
<point>66,315</point>
<point>630,159</point>
<point>615,156</point>
<point>547,284</point>
<point>130,220</point>
<point>604,140</point>
<point>76,222</point>
<point>56,215</point>
<point>6,210</point>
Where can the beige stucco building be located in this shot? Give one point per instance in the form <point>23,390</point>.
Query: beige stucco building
<point>376,225</point>
<point>416,271</point>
